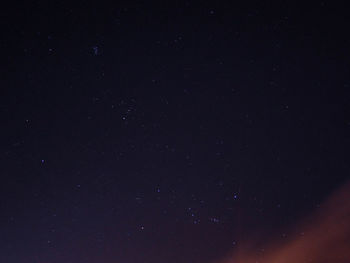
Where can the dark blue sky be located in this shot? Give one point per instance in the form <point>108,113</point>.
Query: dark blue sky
<point>157,132</point>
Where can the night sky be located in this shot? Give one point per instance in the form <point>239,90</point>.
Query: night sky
<point>152,132</point>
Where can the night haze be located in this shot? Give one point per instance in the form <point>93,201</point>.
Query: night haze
<point>323,237</point>
<point>177,132</point>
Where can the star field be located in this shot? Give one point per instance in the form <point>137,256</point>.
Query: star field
<point>167,132</point>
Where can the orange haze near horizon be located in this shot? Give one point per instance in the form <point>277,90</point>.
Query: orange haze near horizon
<point>324,238</point>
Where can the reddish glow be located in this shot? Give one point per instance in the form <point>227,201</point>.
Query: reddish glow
<point>325,238</point>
